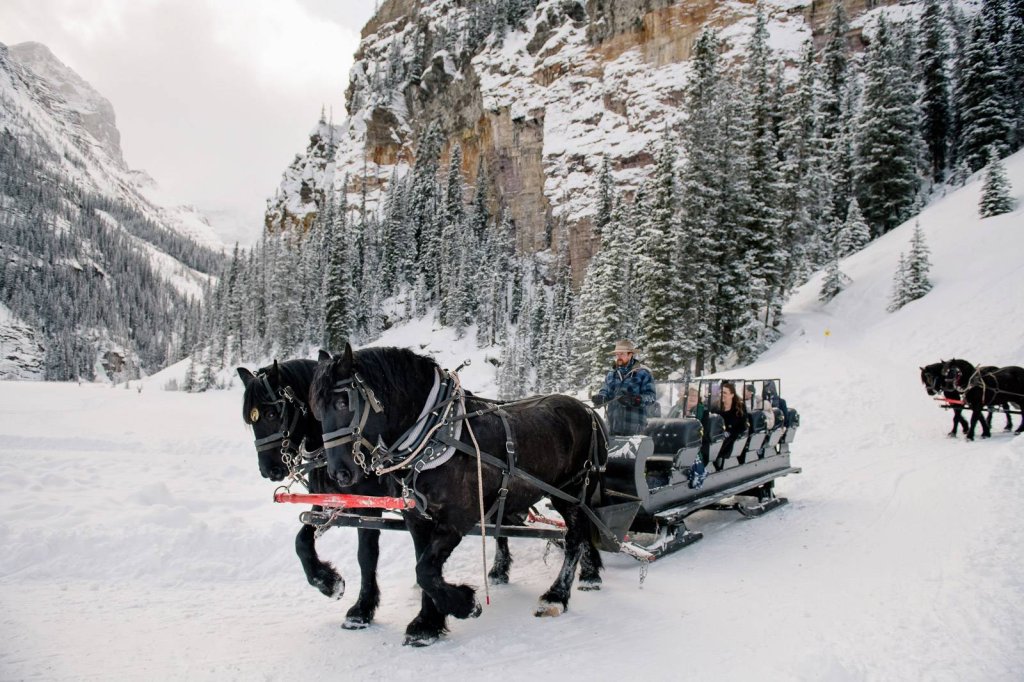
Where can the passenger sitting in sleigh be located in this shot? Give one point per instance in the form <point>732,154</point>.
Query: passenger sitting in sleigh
<point>735,422</point>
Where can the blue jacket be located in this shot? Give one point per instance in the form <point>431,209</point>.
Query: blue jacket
<point>621,386</point>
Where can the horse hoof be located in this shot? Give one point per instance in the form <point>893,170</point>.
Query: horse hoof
<point>549,610</point>
<point>421,640</point>
<point>332,586</point>
<point>355,623</point>
<point>589,585</point>
<point>477,610</point>
<point>497,579</point>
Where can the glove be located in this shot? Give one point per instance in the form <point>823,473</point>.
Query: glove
<point>597,399</point>
<point>635,400</point>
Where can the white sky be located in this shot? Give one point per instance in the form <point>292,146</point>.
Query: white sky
<point>213,97</point>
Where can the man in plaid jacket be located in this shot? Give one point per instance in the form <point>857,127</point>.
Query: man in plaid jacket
<point>628,390</point>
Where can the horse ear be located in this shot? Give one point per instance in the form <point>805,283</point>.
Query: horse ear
<point>346,357</point>
<point>275,370</point>
<point>245,375</point>
<point>323,356</point>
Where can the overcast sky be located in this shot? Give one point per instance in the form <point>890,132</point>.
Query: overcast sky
<point>213,97</point>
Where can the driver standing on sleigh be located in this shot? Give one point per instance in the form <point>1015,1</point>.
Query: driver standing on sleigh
<point>628,390</point>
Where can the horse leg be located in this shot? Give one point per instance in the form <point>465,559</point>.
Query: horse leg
<point>1009,421</point>
<point>498,575</point>
<point>590,567</point>
<point>434,544</point>
<point>555,601</point>
<point>361,613</point>
<point>958,420</point>
<point>320,574</point>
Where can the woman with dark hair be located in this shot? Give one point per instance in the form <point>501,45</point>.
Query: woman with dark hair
<point>735,418</point>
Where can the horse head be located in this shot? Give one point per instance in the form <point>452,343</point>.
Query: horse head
<point>933,378</point>
<point>955,374</point>
<point>356,424</point>
<point>274,404</point>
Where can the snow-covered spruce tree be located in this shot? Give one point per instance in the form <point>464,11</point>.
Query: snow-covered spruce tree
<point>339,292</point>
<point>834,282</point>
<point>855,233</point>
<point>601,304</point>
<point>836,106</point>
<point>898,297</point>
<point>918,266</point>
<point>424,202</point>
<point>933,75</point>
<point>806,184</point>
<point>453,309</point>
<point>982,98</point>
<point>995,191</point>
<point>1013,55</point>
<point>658,273</point>
<point>233,309</point>
<point>703,182</point>
<point>888,142</point>
<point>763,215</point>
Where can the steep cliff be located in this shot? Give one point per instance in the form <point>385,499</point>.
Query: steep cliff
<point>535,96</point>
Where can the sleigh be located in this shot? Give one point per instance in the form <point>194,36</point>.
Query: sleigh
<point>648,487</point>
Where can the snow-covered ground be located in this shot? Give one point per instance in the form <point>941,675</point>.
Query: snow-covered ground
<point>140,541</point>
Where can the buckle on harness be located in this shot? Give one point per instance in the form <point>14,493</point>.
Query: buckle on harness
<point>510,447</point>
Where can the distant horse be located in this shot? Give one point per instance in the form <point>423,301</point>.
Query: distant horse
<point>983,387</point>
<point>934,380</point>
<point>368,402</point>
<point>275,404</point>
<point>934,383</point>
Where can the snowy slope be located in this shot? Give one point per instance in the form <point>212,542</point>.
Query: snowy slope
<point>45,101</point>
<point>140,542</point>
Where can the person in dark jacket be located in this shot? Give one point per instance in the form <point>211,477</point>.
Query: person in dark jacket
<point>628,390</point>
<point>735,419</point>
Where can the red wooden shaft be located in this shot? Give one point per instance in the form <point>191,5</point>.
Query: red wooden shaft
<point>348,501</point>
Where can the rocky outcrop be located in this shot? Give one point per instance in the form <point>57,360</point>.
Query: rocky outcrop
<point>538,104</point>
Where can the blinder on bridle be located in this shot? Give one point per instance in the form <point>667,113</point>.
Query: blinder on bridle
<point>357,395</point>
<point>283,400</point>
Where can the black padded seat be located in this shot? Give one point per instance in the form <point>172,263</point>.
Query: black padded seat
<point>777,432</point>
<point>794,424</point>
<point>672,435</point>
<point>714,434</point>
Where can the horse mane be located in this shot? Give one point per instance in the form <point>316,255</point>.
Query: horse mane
<point>397,372</point>
<point>295,373</point>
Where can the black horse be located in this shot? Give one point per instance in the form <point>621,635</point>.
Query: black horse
<point>372,398</point>
<point>934,381</point>
<point>985,386</point>
<point>275,404</point>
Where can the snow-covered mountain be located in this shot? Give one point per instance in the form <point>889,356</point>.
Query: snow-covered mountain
<point>536,103</point>
<point>900,555</point>
<point>69,201</point>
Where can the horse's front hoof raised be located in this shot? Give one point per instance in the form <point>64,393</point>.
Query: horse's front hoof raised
<point>329,582</point>
<point>546,609</point>
<point>589,585</point>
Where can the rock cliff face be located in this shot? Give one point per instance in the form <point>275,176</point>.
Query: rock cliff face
<point>536,103</point>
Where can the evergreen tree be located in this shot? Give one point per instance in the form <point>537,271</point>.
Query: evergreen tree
<point>887,138</point>
<point>933,75</point>
<point>982,98</point>
<point>918,266</point>
<point>835,281</point>
<point>855,233</point>
<point>339,294</point>
<point>765,259</point>
<point>898,298</point>
<point>658,274</point>
<point>995,192</point>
